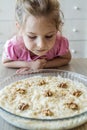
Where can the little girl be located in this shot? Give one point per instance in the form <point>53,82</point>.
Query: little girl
<point>37,44</point>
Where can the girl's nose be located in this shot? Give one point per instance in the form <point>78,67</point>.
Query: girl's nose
<point>41,43</point>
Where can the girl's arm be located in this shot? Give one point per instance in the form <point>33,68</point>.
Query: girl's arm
<point>59,61</point>
<point>40,63</point>
<point>33,65</point>
<point>15,64</point>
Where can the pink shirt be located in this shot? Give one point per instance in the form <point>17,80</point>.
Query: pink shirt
<point>15,50</point>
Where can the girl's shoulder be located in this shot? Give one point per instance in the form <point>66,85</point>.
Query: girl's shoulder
<point>60,38</point>
<point>14,49</point>
<point>14,42</point>
<point>61,42</point>
<point>11,41</point>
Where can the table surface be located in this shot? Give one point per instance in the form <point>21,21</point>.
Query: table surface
<point>76,65</point>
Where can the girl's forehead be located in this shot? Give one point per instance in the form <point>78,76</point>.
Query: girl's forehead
<point>39,24</point>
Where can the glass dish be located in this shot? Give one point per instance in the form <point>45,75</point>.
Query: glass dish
<point>44,124</point>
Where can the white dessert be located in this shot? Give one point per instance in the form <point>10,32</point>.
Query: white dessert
<point>44,97</point>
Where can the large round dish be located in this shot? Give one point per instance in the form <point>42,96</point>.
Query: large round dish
<point>43,124</point>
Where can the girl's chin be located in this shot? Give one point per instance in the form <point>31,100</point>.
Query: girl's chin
<point>40,53</point>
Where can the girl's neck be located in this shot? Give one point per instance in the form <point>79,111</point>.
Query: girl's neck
<point>32,54</point>
<point>19,40</point>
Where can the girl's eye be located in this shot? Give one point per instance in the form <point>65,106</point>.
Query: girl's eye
<point>49,36</point>
<point>32,37</point>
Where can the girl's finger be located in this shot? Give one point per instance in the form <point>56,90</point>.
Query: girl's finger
<point>19,71</point>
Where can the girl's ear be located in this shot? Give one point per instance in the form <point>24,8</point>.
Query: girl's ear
<point>17,25</point>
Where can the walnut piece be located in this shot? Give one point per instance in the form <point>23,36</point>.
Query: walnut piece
<point>47,112</point>
<point>48,93</point>
<point>72,106</point>
<point>63,85</point>
<point>21,90</point>
<point>42,82</point>
<point>77,93</point>
<point>27,84</point>
<point>23,106</point>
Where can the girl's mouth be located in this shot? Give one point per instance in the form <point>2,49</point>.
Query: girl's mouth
<point>43,51</point>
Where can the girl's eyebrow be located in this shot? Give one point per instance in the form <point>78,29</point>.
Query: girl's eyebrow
<point>45,34</point>
<point>31,33</point>
<point>51,32</point>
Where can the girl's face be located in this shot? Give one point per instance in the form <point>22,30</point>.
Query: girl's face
<point>39,35</point>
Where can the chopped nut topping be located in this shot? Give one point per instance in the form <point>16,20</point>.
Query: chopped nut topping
<point>63,85</point>
<point>77,93</point>
<point>23,106</point>
<point>27,84</point>
<point>42,82</point>
<point>48,93</point>
<point>72,106</point>
<point>63,93</point>
<point>18,82</point>
<point>12,98</point>
<point>21,91</point>
<point>47,112</point>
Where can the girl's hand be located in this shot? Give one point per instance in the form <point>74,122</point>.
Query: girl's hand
<point>38,64</point>
<point>22,70</point>
<point>34,65</point>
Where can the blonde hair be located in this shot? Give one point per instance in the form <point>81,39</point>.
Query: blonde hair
<point>24,8</point>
